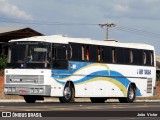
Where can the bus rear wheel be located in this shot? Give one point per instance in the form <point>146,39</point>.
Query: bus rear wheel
<point>68,94</point>
<point>131,95</point>
<point>98,99</point>
<point>30,99</point>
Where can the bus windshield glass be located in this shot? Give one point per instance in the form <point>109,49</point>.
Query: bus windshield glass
<point>28,53</point>
<point>36,54</point>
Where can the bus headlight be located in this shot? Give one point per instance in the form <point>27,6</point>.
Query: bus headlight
<point>9,90</point>
<point>36,90</point>
<point>41,90</point>
<point>13,89</point>
<point>5,90</point>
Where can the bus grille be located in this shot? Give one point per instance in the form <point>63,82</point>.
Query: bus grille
<point>149,85</point>
<point>26,79</point>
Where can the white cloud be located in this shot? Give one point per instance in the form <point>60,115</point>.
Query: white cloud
<point>121,8</point>
<point>137,9</point>
<point>11,10</point>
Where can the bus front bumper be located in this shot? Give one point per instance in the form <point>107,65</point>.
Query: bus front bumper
<point>41,90</point>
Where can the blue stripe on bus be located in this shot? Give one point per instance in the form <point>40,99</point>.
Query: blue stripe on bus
<point>61,74</point>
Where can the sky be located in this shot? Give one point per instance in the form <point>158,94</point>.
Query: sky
<point>137,21</point>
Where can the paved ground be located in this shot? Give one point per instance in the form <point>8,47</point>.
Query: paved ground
<point>80,106</point>
<point>84,108</point>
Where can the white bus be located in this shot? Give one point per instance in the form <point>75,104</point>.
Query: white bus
<point>68,68</point>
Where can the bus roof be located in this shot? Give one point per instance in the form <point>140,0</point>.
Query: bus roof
<point>65,40</point>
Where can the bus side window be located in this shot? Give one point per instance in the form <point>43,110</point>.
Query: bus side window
<point>152,58</point>
<point>62,53</point>
<point>106,54</point>
<point>144,57</point>
<point>54,53</point>
<point>131,56</point>
<point>87,53</point>
<point>83,52</point>
<point>113,55</point>
<point>102,54</point>
<point>99,54</point>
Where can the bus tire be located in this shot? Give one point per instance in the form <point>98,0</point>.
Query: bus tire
<point>30,99</point>
<point>131,95</point>
<point>98,99</point>
<point>68,94</point>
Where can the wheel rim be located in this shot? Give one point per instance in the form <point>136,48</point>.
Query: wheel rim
<point>131,94</point>
<point>67,93</point>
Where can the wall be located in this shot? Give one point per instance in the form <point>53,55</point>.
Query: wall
<point>1,86</point>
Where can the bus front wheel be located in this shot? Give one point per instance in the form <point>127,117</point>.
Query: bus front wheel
<point>68,94</point>
<point>131,95</point>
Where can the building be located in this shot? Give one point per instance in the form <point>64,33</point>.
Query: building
<point>8,33</point>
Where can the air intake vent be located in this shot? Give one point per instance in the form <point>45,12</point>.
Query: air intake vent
<point>149,85</point>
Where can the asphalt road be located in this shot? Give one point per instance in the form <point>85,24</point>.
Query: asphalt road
<point>85,109</point>
<point>80,106</point>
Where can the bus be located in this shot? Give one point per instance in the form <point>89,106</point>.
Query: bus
<point>67,68</point>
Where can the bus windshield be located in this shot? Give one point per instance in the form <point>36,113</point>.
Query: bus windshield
<point>28,53</point>
<point>36,54</point>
